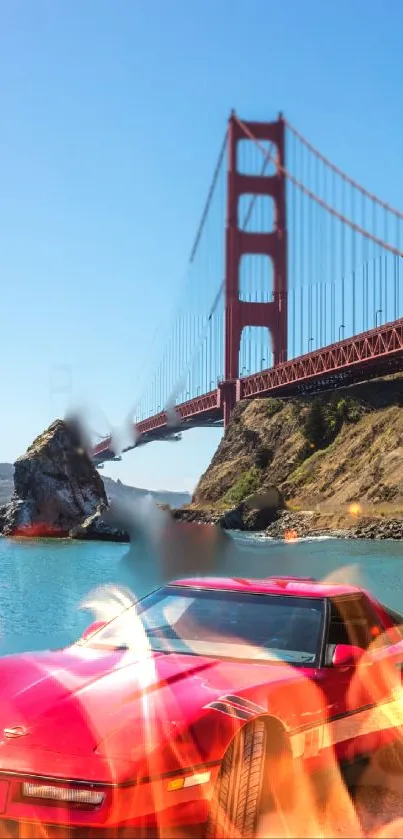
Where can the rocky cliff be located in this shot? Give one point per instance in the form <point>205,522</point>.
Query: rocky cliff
<point>55,485</point>
<point>339,454</point>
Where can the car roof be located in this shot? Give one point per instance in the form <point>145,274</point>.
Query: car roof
<point>294,586</point>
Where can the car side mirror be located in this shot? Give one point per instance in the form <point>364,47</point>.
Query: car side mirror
<point>345,654</point>
<point>92,629</point>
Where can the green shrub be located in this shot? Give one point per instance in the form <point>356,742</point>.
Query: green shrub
<point>323,421</point>
<point>274,406</point>
<point>247,483</point>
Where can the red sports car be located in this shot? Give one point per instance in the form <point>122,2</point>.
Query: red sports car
<point>196,707</point>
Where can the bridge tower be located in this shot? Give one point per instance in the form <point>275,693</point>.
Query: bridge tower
<point>240,313</point>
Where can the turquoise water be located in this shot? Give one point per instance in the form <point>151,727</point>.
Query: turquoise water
<point>43,583</point>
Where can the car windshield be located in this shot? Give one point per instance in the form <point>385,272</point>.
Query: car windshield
<point>227,624</point>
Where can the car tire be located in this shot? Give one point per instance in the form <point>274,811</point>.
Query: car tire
<point>235,805</point>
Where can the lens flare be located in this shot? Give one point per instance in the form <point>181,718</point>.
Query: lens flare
<point>355,509</point>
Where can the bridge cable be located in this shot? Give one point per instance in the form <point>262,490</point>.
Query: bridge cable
<point>370,195</point>
<point>163,322</point>
<point>319,200</point>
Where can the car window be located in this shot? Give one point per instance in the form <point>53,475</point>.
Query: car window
<point>221,623</point>
<point>353,621</point>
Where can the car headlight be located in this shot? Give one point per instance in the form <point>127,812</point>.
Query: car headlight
<point>64,795</point>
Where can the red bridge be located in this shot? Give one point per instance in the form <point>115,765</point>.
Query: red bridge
<point>299,293</point>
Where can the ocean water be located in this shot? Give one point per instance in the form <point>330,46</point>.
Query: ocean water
<point>43,583</point>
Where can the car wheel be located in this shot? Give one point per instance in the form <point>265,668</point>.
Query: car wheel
<point>237,794</point>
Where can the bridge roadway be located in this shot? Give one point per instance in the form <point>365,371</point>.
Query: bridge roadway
<point>365,356</point>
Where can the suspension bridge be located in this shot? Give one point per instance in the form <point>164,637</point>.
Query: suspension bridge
<point>292,286</point>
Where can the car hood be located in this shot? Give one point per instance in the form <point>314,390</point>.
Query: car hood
<point>80,701</point>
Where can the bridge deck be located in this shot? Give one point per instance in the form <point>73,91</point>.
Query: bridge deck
<point>369,354</point>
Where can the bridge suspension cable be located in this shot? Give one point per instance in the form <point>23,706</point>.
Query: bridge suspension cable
<point>332,210</point>
<point>177,369</point>
<point>370,195</point>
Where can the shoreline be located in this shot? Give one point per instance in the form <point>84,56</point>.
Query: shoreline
<point>285,526</point>
<point>341,535</point>
<point>291,526</point>
<point>262,534</point>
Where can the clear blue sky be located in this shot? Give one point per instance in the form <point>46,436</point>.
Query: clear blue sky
<point>112,115</point>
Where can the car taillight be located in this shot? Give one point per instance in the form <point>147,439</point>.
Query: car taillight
<point>64,795</point>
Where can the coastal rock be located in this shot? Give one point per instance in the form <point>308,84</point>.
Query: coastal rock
<point>292,526</point>
<point>3,513</point>
<point>232,519</point>
<point>195,515</point>
<point>257,520</point>
<point>255,513</point>
<point>260,509</point>
<point>378,529</point>
<point>56,485</point>
<point>98,528</point>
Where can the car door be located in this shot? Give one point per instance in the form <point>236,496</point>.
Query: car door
<point>353,693</point>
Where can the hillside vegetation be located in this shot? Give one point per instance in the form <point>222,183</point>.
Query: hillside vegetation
<point>323,453</point>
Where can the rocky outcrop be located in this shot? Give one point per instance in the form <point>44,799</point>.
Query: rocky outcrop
<point>255,512</point>
<point>56,485</point>
<point>330,450</point>
<point>292,526</point>
<point>3,514</point>
<point>331,454</point>
<point>379,529</point>
<point>194,515</point>
<point>98,527</point>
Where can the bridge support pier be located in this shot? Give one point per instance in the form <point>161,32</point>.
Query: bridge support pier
<point>229,394</point>
<point>240,313</point>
